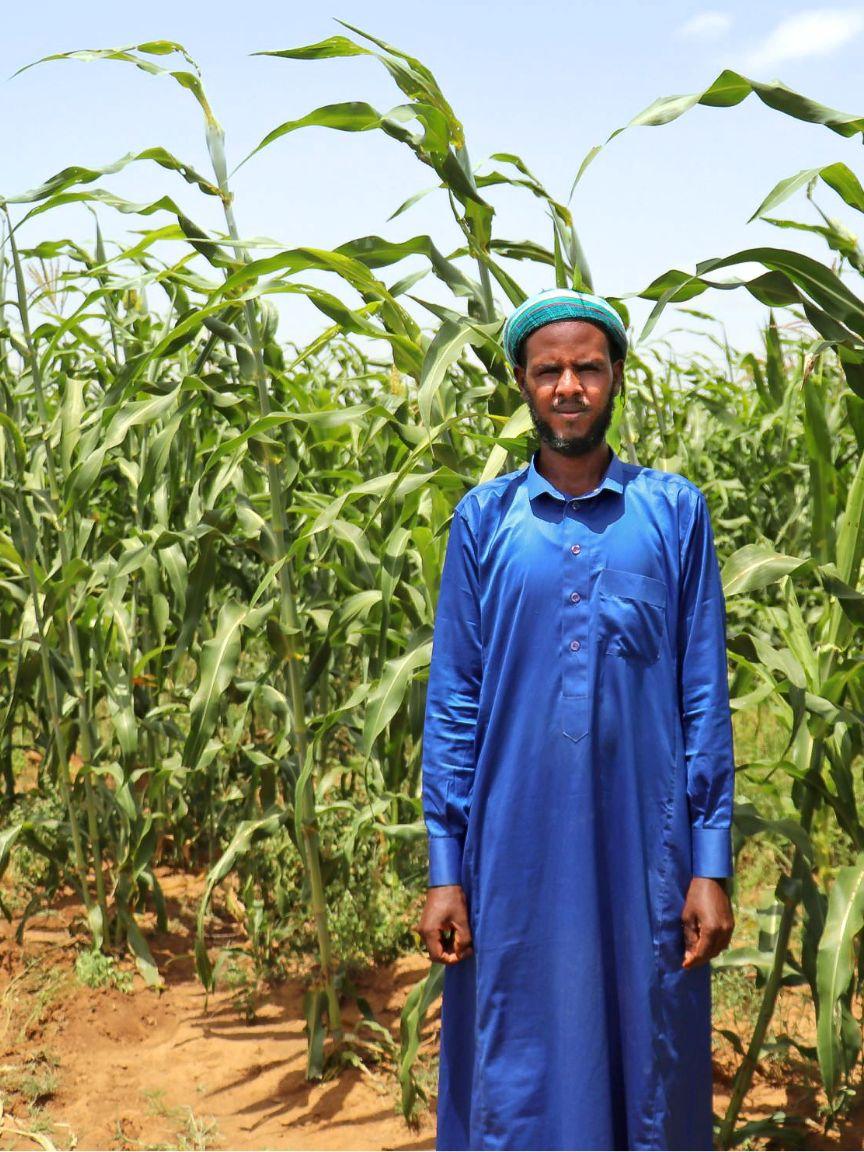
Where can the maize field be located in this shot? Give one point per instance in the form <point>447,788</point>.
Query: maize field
<point>220,551</point>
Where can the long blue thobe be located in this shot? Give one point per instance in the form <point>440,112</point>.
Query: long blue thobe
<point>577,773</point>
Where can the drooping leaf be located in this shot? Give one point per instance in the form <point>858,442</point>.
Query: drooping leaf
<point>388,694</point>
<point>835,965</point>
<point>756,566</point>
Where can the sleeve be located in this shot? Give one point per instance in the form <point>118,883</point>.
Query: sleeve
<point>452,703</point>
<point>704,696</point>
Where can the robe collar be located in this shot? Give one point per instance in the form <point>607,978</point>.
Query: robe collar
<point>613,479</point>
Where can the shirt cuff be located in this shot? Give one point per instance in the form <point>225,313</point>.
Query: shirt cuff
<point>445,860</point>
<point>712,852</point>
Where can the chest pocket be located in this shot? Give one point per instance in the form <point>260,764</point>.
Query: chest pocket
<point>631,614</point>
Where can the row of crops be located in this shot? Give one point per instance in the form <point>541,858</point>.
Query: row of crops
<point>219,552</point>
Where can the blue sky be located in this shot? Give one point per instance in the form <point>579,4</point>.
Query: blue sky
<point>546,80</point>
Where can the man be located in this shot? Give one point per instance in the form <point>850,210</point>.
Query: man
<point>577,776</point>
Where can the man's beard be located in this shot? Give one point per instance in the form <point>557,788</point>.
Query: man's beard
<point>574,445</point>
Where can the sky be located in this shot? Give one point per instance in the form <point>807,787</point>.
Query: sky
<point>547,80</point>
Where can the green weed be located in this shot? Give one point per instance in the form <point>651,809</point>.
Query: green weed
<point>96,970</point>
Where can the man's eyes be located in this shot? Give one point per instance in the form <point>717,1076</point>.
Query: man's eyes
<point>583,370</point>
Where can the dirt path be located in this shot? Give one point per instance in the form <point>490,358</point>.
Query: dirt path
<point>133,1069</point>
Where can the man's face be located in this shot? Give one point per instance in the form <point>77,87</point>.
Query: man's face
<point>569,383</point>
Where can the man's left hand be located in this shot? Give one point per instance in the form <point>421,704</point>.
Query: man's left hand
<point>707,921</point>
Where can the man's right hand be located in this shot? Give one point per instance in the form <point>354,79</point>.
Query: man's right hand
<point>444,925</point>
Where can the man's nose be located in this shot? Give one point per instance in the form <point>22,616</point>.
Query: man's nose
<point>568,383</point>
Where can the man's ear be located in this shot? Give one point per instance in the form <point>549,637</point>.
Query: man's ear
<point>519,373</point>
<point>617,377</point>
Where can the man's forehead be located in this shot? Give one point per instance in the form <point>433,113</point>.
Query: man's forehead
<point>567,337</point>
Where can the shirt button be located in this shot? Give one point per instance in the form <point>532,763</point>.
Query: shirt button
<point>575,549</point>
<point>575,597</point>
<point>574,645</point>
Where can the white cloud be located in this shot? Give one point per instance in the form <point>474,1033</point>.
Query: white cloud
<point>706,26</point>
<point>817,32</point>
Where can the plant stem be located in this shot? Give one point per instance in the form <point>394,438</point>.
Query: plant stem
<point>287,601</point>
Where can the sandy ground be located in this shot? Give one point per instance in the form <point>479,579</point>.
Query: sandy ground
<point>107,1068</point>
<point>176,1068</point>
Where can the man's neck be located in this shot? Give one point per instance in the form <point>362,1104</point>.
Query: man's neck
<point>574,475</point>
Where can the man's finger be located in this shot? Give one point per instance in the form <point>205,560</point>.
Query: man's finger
<point>451,952</point>
<point>445,947</point>
<point>705,946</point>
<point>720,941</point>
<point>434,946</point>
<point>463,948</point>
<point>462,937</point>
<point>707,923</point>
<point>694,940</point>
<point>690,925</point>
<point>461,943</point>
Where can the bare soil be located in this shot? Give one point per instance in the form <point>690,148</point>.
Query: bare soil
<point>105,1068</point>
<point>131,1069</point>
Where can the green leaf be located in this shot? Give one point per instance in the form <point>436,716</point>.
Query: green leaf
<point>835,965</point>
<point>327,49</point>
<point>375,252</point>
<point>517,426</point>
<point>134,414</point>
<point>830,305</point>
<point>389,692</point>
<point>75,175</point>
<point>217,665</point>
<point>420,999</point>
<point>731,88</point>
<point>188,80</point>
<point>753,958</point>
<point>443,352</point>
<point>349,116</point>
<point>850,539</point>
<point>144,961</point>
<point>749,822</point>
<point>837,176</point>
<point>756,566</point>
<point>8,838</point>
<point>241,843</point>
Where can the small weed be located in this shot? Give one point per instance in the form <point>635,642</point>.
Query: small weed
<point>235,970</point>
<point>34,1082</point>
<point>28,999</point>
<point>193,1134</point>
<point>37,1129</point>
<point>198,1133</point>
<point>156,1105</point>
<point>120,1136</point>
<point>38,1120</point>
<point>736,1001</point>
<point>96,970</point>
<point>32,872</point>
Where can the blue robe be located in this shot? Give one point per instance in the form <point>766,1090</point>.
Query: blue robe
<point>577,772</point>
